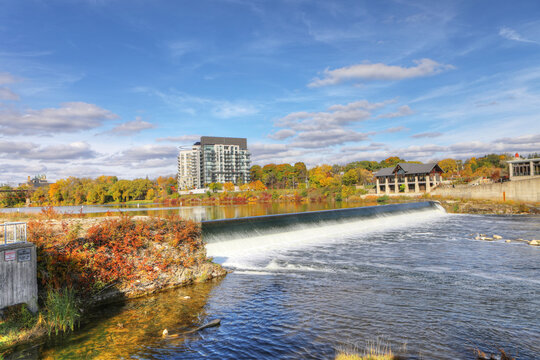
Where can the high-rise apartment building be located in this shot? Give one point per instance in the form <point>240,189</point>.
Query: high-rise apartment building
<point>214,159</point>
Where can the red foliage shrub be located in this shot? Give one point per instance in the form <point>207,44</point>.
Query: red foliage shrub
<point>116,250</point>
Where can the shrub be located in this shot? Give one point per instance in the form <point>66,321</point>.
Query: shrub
<point>383,199</point>
<point>116,250</point>
<point>62,309</point>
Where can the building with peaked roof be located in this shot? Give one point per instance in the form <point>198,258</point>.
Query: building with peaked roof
<point>409,178</point>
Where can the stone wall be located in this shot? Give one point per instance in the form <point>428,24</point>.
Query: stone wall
<point>517,190</point>
<point>18,276</point>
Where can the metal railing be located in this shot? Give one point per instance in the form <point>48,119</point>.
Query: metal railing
<point>13,232</point>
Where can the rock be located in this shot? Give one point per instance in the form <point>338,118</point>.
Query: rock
<point>486,238</point>
<point>534,242</point>
<point>186,297</point>
<point>497,237</point>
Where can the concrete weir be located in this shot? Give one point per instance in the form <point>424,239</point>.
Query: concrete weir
<point>18,275</point>
<point>228,229</point>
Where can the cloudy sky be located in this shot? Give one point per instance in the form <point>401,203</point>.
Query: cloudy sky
<point>92,87</point>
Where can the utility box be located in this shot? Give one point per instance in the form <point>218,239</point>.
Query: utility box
<point>18,275</point>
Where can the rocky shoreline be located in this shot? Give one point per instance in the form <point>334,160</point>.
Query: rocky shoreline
<point>487,207</point>
<point>179,278</point>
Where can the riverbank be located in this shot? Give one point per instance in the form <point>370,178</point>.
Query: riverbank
<point>487,207</point>
<point>105,260</point>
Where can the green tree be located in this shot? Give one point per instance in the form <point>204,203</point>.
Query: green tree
<point>391,161</point>
<point>255,173</point>
<point>350,177</point>
<point>215,186</point>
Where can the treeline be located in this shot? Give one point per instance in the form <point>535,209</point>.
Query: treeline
<point>286,176</point>
<point>492,166</point>
<point>108,189</point>
<point>102,190</point>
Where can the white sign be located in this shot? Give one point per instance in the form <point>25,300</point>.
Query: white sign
<point>10,255</point>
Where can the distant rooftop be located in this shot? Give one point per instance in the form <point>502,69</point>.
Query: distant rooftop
<point>214,140</point>
<point>409,169</point>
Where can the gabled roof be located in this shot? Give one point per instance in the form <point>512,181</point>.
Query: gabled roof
<point>409,169</point>
<point>385,171</point>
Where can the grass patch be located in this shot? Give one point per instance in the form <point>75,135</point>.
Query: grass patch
<point>383,199</point>
<point>376,350</point>
<point>63,312</point>
<point>18,324</point>
<point>343,356</point>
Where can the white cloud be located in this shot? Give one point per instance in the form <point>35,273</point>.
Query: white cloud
<point>326,138</point>
<point>7,94</point>
<point>526,139</point>
<point>511,34</point>
<point>337,116</point>
<point>404,110</point>
<point>15,148</point>
<point>180,48</point>
<point>282,134</point>
<point>262,149</point>
<point>196,105</point>
<point>180,139</point>
<point>63,152</point>
<point>54,153</point>
<point>146,152</point>
<point>380,71</point>
<point>228,110</point>
<point>395,129</point>
<point>370,147</point>
<point>70,117</point>
<point>427,135</point>
<point>132,127</point>
<point>6,78</point>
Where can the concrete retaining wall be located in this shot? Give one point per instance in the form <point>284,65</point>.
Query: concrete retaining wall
<point>18,275</point>
<point>519,190</point>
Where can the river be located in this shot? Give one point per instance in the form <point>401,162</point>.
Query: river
<point>417,282</point>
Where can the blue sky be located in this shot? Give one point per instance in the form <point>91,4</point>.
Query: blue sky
<point>113,87</point>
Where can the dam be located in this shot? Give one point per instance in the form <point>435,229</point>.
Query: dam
<point>303,286</point>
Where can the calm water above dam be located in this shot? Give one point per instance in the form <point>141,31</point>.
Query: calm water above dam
<point>198,213</point>
<point>415,279</point>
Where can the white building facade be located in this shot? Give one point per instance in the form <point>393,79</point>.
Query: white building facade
<point>214,159</point>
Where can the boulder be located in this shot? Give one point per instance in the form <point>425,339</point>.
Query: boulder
<point>497,237</point>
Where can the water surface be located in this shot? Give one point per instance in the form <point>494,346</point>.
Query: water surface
<point>418,280</point>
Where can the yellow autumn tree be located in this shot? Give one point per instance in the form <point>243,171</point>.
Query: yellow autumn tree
<point>228,186</point>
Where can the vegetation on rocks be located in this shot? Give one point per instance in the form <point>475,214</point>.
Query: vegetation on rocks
<point>81,262</point>
<point>477,206</point>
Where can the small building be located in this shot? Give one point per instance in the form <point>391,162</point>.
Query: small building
<point>521,169</point>
<point>37,182</point>
<point>413,178</point>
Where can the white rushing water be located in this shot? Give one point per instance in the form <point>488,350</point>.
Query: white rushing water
<point>257,252</point>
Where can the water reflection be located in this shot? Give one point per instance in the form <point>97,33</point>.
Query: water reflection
<point>134,328</point>
<point>197,213</point>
